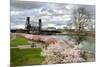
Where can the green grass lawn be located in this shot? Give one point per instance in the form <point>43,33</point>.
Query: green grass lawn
<point>19,40</point>
<point>29,56</point>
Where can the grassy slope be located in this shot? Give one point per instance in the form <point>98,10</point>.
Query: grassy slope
<point>26,56</point>
<point>19,41</point>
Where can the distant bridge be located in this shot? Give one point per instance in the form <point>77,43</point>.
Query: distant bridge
<point>45,32</point>
<point>50,32</point>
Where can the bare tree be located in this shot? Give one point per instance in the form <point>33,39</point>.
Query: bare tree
<point>81,19</point>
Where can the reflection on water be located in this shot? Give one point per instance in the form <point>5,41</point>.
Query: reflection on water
<point>88,44</point>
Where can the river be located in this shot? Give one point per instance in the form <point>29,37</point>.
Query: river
<point>87,44</point>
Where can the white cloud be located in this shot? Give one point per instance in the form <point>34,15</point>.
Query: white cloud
<point>17,26</point>
<point>15,12</point>
<point>67,17</point>
<point>69,7</point>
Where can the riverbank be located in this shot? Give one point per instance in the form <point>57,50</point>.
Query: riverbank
<point>71,33</point>
<point>24,53</point>
<point>56,50</point>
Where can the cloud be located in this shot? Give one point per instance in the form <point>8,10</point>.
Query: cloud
<point>24,5</point>
<point>18,27</point>
<point>53,14</point>
<point>15,12</point>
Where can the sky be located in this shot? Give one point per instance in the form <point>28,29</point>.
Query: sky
<point>52,14</point>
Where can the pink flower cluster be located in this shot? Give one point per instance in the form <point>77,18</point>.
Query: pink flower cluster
<point>62,54</point>
<point>58,51</point>
<point>46,39</point>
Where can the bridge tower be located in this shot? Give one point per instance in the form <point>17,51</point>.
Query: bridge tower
<point>40,25</point>
<point>28,25</point>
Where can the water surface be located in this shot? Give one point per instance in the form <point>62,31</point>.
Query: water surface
<point>88,44</point>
